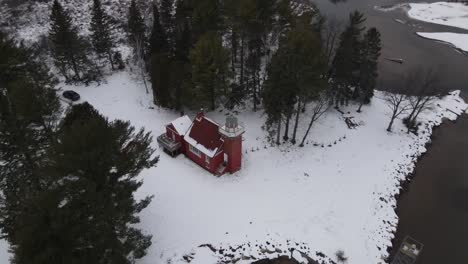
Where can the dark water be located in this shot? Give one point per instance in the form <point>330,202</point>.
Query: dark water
<point>400,41</point>
<point>434,208</point>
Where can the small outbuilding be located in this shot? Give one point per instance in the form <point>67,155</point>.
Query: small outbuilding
<point>216,148</point>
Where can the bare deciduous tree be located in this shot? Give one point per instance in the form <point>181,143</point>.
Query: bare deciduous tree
<point>424,91</point>
<point>331,31</point>
<point>397,101</point>
<point>321,105</point>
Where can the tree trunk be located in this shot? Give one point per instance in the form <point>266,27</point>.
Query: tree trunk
<point>255,87</point>
<point>278,132</point>
<point>360,106</point>
<point>298,112</point>
<point>312,120</point>
<point>389,128</point>
<point>242,62</point>
<point>111,60</point>
<point>75,67</point>
<point>233,49</point>
<point>286,129</point>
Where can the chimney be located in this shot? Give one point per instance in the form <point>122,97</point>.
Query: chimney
<point>200,114</point>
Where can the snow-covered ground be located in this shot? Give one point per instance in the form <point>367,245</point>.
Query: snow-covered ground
<point>4,254</point>
<point>335,193</point>
<point>443,13</point>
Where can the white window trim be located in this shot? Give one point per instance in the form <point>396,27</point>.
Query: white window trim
<point>194,150</point>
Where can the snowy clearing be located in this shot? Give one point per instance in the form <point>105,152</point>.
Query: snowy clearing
<point>459,41</point>
<point>336,194</point>
<point>443,13</point>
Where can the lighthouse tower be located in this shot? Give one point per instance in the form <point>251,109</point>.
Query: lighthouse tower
<point>232,135</point>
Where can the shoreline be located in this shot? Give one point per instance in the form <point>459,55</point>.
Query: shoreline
<point>405,183</point>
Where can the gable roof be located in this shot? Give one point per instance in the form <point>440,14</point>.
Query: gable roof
<point>182,124</point>
<point>204,135</point>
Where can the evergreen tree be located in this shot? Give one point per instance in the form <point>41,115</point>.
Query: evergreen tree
<point>370,54</point>
<point>85,214</point>
<point>294,75</point>
<point>346,64</point>
<point>206,17</point>
<point>29,110</point>
<point>136,25</point>
<point>101,33</point>
<point>209,62</point>
<point>160,62</point>
<point>69,50</point>
<point>181,69</point>
<point>167,20</point>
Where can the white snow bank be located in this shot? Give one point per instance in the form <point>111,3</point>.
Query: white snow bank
<point>4,254</point>
<point>182,124</point>
<point>337,192</point>
<point>443,13</point>
<point>459,41</point>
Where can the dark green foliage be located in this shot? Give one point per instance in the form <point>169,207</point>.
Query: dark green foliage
<point>206,17</point>
<point>84,214</point>
<point>160,62</point>
<point>347,61</point>
<point>136,25</point>
<point>29,111</point>
<point>167,20</point>
<point>101,33</point>
<point>370,53</point>
<point>210,71</point>
<point>158,40</point>
<point>69,50</point>
<point>294,76</point>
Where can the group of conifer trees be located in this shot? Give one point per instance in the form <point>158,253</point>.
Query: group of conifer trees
<point>300,78</point>
<point>76,57</point>
<point>66,184</point>
<point>270,54</point>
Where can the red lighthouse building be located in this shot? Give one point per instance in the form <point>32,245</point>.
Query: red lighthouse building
<point>216,148</point>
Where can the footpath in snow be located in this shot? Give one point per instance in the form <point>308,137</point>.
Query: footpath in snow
<point>336,193</point>
<point>443,13</point>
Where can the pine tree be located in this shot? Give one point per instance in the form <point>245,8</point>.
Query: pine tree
<point>209,62</point>
<point>85,214</point>
<point>160,62</point>
<point>29,110</point>
<point>69,50</point>
<point>206,17</point>
<point>136,25</point>
<point>370,54</point>
<point>101,33</point>
<point>181,68</point>
<point>167,20</point>
<point>346,64</point>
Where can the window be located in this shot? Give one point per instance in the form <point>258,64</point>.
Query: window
<point>207,160</point>
<point>194,150</point>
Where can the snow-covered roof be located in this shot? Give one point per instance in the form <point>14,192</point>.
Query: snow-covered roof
<point>203,134</point>
<point>182,124</point>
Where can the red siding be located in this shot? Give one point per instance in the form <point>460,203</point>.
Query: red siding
<point>233,148</point>
<point>213,162</point>
<point>170,131</point>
